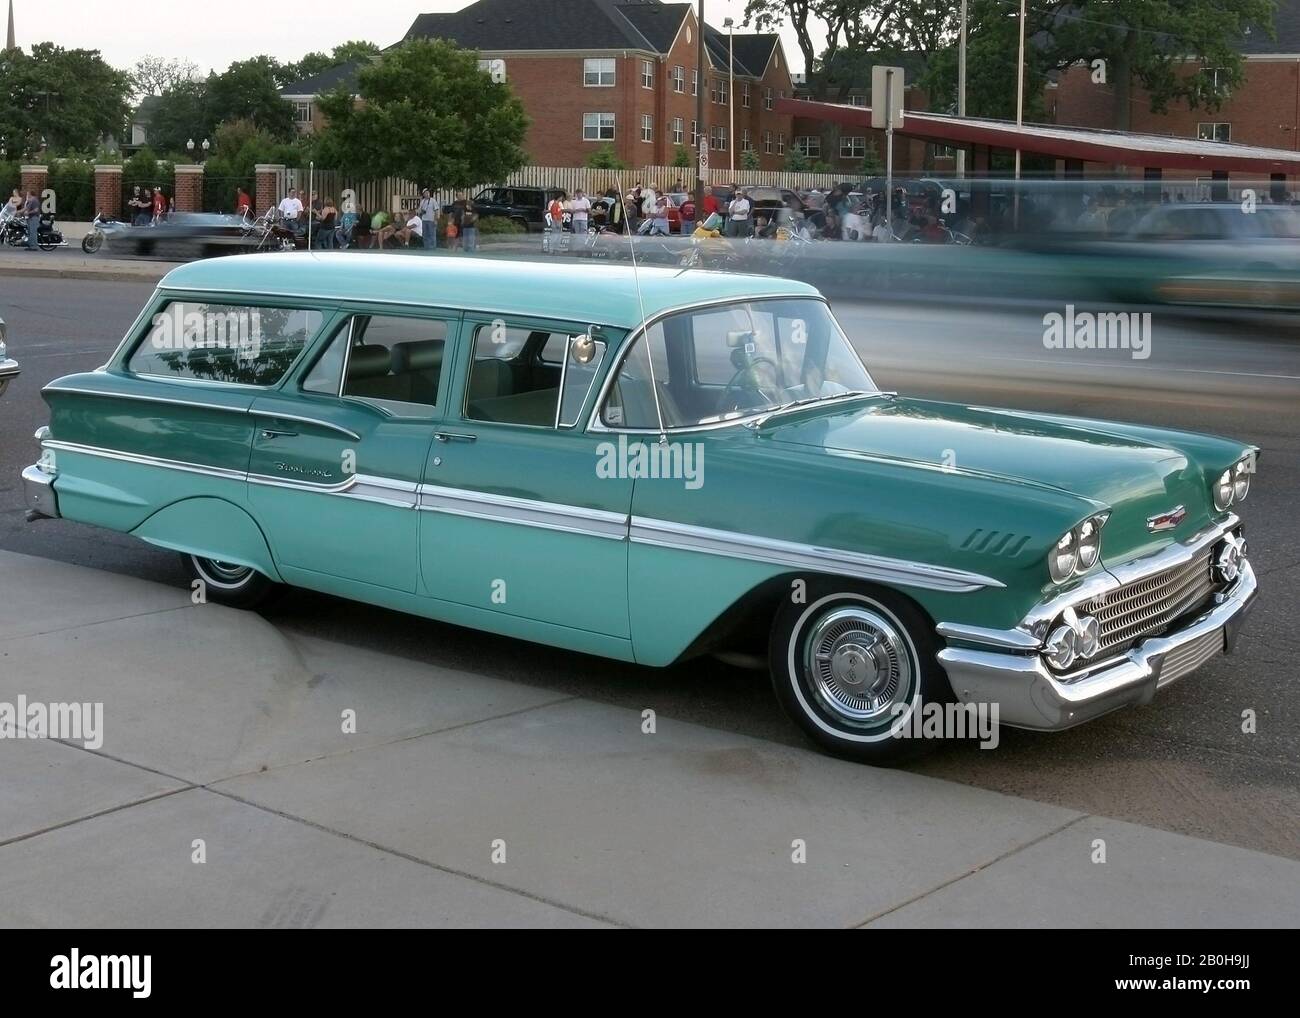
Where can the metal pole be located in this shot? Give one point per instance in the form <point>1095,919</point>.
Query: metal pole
<point>1020,109</point>
<point>889,152</point>
<point>961,86</point>
<point>731,94</point>
<point>701,137</point>
<point>311,186</point>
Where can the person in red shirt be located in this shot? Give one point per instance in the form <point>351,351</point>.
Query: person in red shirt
<point>709,205</point>
<point>159,204</point>
<point>243,204</point>
<point>556,211</point>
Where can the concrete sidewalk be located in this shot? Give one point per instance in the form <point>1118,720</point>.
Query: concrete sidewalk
<point>465,800</point>
<point>73,264</point>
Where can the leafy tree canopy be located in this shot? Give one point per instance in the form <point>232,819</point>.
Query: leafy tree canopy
<point>69,97</point>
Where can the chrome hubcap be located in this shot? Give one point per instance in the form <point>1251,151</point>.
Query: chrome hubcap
<point>225,574</point>
<point>856,664</point>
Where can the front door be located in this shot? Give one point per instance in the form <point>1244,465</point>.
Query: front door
<point>516,515</point>
<point>338,453</point>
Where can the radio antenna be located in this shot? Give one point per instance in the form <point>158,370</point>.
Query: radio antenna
<point>645,332</point>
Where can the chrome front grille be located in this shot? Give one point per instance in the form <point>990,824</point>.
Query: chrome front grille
<point>1190,656</point>
<point>1146,607</point>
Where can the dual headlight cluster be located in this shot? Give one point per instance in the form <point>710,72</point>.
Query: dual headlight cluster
<point>1078,549</point>
<point>1076,639</point>
<point>1233,485</point>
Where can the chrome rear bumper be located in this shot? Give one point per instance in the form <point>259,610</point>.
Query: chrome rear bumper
<point>39,494</point>
<point>1030,696</point>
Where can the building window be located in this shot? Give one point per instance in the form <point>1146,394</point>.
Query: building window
<point>678,130</point>
<point>744,94</point>
<point>679,78</point>
<point>767,142</point>
<point>853,148</point>
<point>647,127</point>
<point>598,127</point>
<point>695,81</point>
<point>767,98</point>
<point>1214,132</point>
<point>810,145</point>
<point>745,145</point>
<point>647,74</point>
<point>695,134</point>
<point>718,138</point>
<point>598,73</point>
<point>1217,79</point>
<point>780,144</point>
<point>302,112</point>
<point>718,93</point>
<point>857,100</point>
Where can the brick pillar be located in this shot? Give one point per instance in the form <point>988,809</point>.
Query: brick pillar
<point>34,178</point>
<point>267,186</point>
<point>189,187</point>
<point>108,189</point>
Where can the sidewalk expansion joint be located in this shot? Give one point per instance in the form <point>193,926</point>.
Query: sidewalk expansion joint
<point>93,816</point>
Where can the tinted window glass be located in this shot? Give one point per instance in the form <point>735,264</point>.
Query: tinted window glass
<point>236,343</point>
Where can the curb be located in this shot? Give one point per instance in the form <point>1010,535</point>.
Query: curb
<point>110,275</point>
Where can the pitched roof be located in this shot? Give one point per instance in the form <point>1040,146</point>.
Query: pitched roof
<point>1286,26</point>
<point>657,22</point>
<point>533,24</point>
<point>332,77</point>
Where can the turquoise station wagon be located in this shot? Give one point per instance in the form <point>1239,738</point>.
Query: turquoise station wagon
<point>651,467</point>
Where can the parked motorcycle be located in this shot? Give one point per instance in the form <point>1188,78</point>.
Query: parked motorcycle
<point>15,231</point>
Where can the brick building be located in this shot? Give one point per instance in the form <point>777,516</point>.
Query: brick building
<point>620,73</point>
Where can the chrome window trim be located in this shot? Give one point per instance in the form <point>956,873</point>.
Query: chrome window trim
<point>730,544</point>
<point>559,409</point>
<point>594,422</point>
<point>140,459</point>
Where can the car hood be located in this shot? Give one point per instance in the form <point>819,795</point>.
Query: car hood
<point>1133,476</point>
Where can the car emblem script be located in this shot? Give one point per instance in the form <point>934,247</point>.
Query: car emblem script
<point>1166,520</point>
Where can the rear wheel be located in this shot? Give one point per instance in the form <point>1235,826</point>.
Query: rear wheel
<point>230,584</point>
<point>852,665</point>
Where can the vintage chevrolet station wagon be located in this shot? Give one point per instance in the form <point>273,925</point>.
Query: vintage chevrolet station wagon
<point>651,467</point>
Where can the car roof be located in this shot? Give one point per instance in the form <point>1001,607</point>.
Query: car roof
<point>600,294</point>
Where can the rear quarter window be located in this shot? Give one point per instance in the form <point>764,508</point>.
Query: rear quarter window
<point>240,344</point>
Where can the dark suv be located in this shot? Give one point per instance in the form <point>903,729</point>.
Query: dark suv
<point>523,205</point>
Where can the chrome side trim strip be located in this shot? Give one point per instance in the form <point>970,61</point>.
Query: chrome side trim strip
<point>803,556</point>
<point>1007,639</point>
<point>524,511</point>
<point>327,425</point>
<point>149,461</point>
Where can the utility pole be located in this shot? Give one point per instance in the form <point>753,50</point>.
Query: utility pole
<point>701,137</point>
<point>731,94</point>
<point>961,87</point>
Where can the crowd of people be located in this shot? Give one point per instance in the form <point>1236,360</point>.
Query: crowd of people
<point>329,225</point>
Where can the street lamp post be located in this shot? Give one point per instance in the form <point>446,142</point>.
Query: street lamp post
<point>729,24</point>
<point>701,135</point>
<point>961,86</point>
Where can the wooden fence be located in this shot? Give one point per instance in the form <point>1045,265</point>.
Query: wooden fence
<point>380,194</point>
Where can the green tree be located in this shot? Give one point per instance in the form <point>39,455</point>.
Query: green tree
<point>155,75</point>
<point>871,164</point>
<point>796,161</point>
<point>682,157</point>
<point>69,97</point>
<point>749,160</point>
<point>604,158</point>
<point>181,113</point>
<point>426,113</point>
<point>316,62</point>
<point>249,90</point>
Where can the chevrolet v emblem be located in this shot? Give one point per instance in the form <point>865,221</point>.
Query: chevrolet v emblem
<point>1166,520</point>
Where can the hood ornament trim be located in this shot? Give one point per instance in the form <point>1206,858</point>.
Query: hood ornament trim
<point>1167,520</point>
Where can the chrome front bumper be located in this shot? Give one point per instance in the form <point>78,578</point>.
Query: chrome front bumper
<point>1030,696</point>
<point>8,372</point>
<point>39,494</point>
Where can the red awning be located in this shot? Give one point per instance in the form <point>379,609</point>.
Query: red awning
<point>1052,140</point>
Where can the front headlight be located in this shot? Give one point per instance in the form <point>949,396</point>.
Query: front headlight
<point>1078,550</point>
<point>1223,489</point>
<point>1240,479</point>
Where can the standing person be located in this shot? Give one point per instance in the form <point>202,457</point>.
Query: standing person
<point>660,225</point>
<point>429,216</point>
<point>347,223</point>
<point>738,215</point>
<point>555,212</point>
<point>710,203</point>
<point>159,205</point>
<point>650,202</point>
<point>580,207</point>
<point>468,225</point>
<point>243,203</point>
<point>327,229</point>
<point>291,210</point>
<point>32,210</point>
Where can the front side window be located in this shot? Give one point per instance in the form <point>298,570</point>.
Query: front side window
<point>722,363</point>
<point>234,343</point>
<point>393,361</point>
<point>598,73</point>
<point>517,374</point>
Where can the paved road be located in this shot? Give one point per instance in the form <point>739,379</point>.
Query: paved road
<point>1182,763</point>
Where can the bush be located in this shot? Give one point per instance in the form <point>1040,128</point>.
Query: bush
<point>605,158</point>
<point>488,225</point>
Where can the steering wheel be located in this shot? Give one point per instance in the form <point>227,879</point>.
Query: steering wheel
<point>738,382</point>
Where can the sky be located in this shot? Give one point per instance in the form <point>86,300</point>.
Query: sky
<point>214,35</point>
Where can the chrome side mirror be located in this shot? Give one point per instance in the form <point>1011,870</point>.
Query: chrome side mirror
<point>583,348</point>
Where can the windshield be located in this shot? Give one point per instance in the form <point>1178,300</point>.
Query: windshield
<point>723,363</point>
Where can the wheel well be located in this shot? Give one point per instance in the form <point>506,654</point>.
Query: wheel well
<point>747,625</point>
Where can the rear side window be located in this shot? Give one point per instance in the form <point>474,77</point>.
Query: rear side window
<point>242,344</point>
<point>394,361</point>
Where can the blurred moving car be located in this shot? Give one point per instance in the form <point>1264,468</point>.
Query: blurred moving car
<point>8,366</point>
<point>180,237</point>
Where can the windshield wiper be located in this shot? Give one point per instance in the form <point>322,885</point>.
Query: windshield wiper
<point>796,404</point>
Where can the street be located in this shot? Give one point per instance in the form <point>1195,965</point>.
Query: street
<point>1181,764</point>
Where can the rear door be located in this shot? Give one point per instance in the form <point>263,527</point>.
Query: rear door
<point>338,453</point>
<point>517,516</point>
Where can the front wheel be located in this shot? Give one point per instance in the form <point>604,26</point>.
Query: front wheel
<point>230,584</point>
<point>853,666</point>
<point>92,242</point>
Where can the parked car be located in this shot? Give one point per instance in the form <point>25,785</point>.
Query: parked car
<point>525,206</point>
<point>651,465</point>
<point>8,366</point>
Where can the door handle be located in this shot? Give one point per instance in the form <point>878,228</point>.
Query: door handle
<point>452,436</point>
<point>272,433</point>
